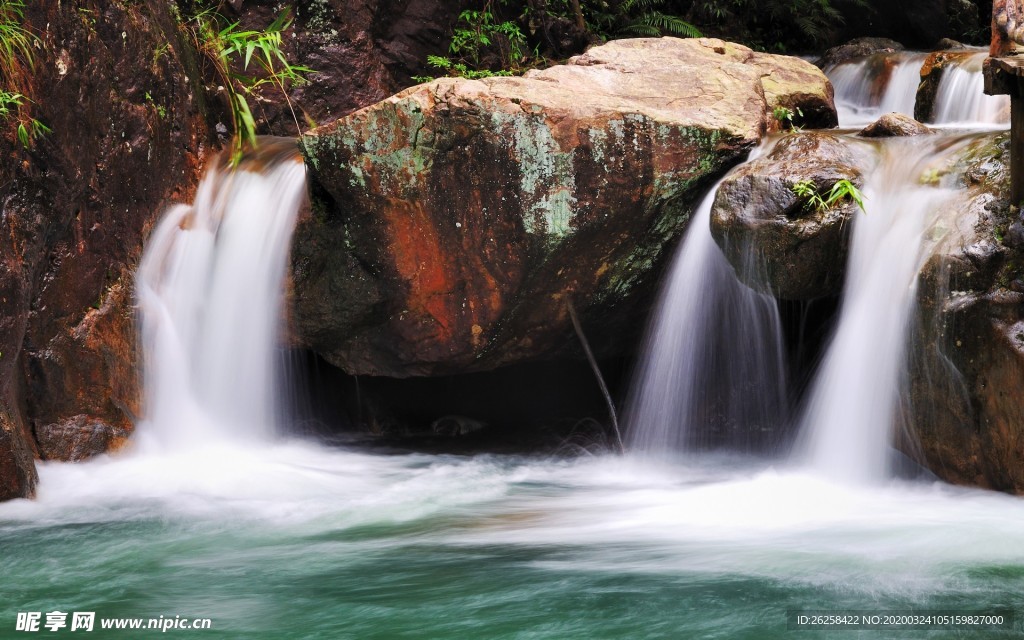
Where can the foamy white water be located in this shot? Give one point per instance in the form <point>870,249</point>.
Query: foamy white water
<point>209,291</point>
<point>682,516</point>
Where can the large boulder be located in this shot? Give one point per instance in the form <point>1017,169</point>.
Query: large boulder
<point>968,366</point>
<point>453,223</point>
<point>800,248</point>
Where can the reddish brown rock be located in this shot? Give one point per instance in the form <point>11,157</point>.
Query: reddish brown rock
<point>127,137</point>
<point>17,468</point>
<point>1007,27</point>
<point>79,438</point>
<point>454,221</point>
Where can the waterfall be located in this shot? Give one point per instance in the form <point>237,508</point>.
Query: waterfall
<point>961,96</point>
<point>868,87</point>
<point>209,291</point>
<point>850,418</point>
<point>712,369</point>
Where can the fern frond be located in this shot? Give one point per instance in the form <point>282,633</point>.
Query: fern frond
<point>655,23</point>
<point>641,30</point>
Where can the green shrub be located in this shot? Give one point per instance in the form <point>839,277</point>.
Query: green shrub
<point>478,35</point>
<point>244,61</point>
<point>841,190</point>
<point>16,58</point>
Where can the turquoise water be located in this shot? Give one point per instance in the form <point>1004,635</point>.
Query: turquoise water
<point>302,541</point>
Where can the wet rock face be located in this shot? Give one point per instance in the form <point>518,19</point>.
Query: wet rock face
<point>17,467</point>
<point>801,248</point>
<point>453,222</point>
<point>127,135</point>
<point>968,364</point>
<point>79,438</point>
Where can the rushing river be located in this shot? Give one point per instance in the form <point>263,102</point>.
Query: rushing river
<point>302,541</point>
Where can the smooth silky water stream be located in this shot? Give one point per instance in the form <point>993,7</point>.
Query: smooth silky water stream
<point>276,538</point>
<point>871,86</point>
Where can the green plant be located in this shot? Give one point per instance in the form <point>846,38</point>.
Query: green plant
<point>841,190</point>
<point>28,128</point>
<point>459,69</point>
<point>228,48</point>
<point>161,111</point>
<point>644,18</point>
<point>16,55</point>
<point>160,51</point>
<point>477,36</point>
<point>786,116</point>
<point>480,30</point>
<point>16,41</point>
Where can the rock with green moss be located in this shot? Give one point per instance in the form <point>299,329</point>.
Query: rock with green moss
<point>454,222</point>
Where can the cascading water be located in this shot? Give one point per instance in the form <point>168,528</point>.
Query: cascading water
<point>961,96</point>
<point>849,421</point>
<point>866,88</point>
<point>881,83</point>
<point>712,370</point>
<point>209,293</point>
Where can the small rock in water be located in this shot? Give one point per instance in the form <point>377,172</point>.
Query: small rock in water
<point>892,125</point>
<point>456,426</point>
